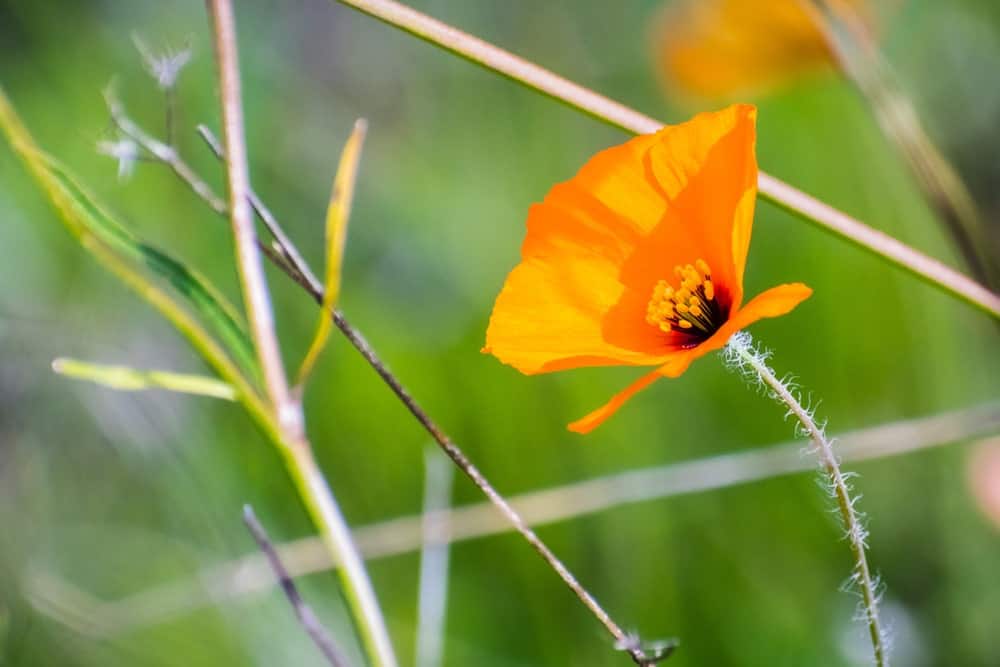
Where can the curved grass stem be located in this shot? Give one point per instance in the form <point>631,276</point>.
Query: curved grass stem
<point>614,113</point>
<point>741,354</point>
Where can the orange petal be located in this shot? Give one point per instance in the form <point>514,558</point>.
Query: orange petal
<point>774,302</point>
<point>707,171</point>
<point>597,417</point>
<point>548,316</point>
<point>721,48</point>
<point>598,244</point>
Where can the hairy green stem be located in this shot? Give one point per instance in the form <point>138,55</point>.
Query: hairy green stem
<point>741,353</point>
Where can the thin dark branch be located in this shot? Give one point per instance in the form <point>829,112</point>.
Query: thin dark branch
<point>303,611</point>
<point>284,244</point>
<point>167,154</point>
<point>455,453</point>
<point>287,258</point>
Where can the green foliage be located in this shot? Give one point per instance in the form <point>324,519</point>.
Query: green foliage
<point>90,223</point>
<point>121,492</point>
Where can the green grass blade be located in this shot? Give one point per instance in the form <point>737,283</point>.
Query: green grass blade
<point>338,213</point>
<point>126,378</point>
<point>87,219</point>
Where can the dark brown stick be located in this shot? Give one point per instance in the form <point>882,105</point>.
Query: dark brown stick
<point>286,257</point>
<point>303,611</point>
<point>304,277</point>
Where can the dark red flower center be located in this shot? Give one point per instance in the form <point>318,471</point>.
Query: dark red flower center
<point>692,308</point>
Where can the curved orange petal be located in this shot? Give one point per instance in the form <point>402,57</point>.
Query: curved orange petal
<point>598,243</point>
<point>548,315</point>
<point>773,302</point>
<point>707,171</point>
<point>598,416</point>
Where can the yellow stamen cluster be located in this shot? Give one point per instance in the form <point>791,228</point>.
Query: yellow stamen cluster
<point>691,307</point>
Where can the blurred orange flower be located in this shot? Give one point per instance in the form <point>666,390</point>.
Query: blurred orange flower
<point>638,260</point>
<point>721,48</point>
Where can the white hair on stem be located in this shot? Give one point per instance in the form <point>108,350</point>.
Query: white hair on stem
<point>742,356</point>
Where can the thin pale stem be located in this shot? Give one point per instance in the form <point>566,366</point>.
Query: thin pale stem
<point>432,600</point>
<point>741,346</point>
<point>287,411</point>
<point>324,642</point>
<point>336,536</point>
<point>859,58</point>
<point>251,270</point>
<point>583,99</point>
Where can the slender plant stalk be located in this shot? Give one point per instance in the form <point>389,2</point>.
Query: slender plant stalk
<point>583,99</point>
<point>432,599</point>
<point>290,260</point>
<point>287,411</point>
<point>163,152</point>
<point>324,642</point>
<point>741,352</point>
<point>255,295</point>
<point>285,256</point>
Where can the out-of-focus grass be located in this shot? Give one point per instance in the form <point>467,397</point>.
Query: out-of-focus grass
<point>116,491</point>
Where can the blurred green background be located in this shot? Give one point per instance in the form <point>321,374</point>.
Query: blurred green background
<point>117,492</point>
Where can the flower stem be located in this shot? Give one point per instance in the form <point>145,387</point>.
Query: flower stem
<point>740,353</point>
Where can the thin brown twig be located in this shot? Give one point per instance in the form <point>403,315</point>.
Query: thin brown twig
<point>167,154</point>
<point>303,611</point>
<point>614,113</point>
<point>284,244</point>
<point>163,153</point>
<point>307,280</point>
<point>286,257</point>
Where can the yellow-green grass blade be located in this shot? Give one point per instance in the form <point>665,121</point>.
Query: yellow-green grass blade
<point>338,213</point>
<point>126,378</point>
<point>87,219</point>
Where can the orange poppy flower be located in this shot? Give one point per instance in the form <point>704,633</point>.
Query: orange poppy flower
<point>638,259</point>
<point>721,48</point>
